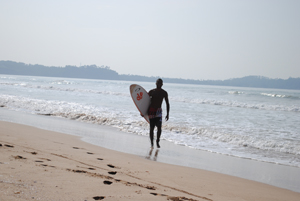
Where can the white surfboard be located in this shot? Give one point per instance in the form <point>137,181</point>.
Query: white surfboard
<point>141,99</point>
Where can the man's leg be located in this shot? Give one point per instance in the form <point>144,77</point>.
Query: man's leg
<point>158,137</point>
<point>152,125</point>
<point>158,125</point>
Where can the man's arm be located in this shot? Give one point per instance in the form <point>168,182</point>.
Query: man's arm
<point>168,106</point>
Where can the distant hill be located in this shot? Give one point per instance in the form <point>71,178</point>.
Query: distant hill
<point>87,72</point>
<point>104,72</point>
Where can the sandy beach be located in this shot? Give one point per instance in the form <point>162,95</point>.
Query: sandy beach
<point>38,164</point>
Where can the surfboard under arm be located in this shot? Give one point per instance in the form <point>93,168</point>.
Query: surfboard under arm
<point>141,99</point>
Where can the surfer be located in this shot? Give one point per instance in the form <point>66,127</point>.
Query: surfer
<point>157,96</point>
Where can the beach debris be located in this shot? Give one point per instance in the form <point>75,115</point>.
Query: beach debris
<point>89,153</point>
<point>111,166</point>
<point>150,187</point>
<point>100,159</point>
<point>33,153</point>
<point>78,171</point>
<point>113,173</point>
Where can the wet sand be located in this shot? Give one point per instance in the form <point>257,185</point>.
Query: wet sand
<point>282,176</point>
<point>38,164</point>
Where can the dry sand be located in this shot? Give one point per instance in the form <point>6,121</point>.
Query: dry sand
<point>37,164</point>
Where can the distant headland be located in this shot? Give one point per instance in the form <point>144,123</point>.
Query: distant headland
<point>104,72</point>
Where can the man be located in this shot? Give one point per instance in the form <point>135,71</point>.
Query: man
<point>155,112</point>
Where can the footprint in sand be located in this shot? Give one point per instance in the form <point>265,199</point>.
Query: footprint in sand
<point>19,157</point>
<point>112,166</point>
<point>107,182</point>
<point>79,171</point>
<point>45,159</point>
<point>112,173</point>
<point>89,153</point>
<point>7,145</point>
<point>100,159</point>
<point>98,197</point>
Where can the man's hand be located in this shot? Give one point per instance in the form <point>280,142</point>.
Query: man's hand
<point>167,117</point>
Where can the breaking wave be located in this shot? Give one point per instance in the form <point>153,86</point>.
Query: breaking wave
<point>225,103</point>
<point>188,136</point>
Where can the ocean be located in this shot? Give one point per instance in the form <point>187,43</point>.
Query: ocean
<point>252,123</point>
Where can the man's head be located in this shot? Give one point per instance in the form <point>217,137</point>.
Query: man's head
<point>159,83</point>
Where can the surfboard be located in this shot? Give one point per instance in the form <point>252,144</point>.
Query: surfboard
<point>141,99</point>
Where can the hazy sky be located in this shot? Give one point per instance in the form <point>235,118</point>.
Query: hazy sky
<point>195,39</point>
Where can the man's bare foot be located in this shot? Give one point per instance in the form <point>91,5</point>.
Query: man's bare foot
<point>157,144</point>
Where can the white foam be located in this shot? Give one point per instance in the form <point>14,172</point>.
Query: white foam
<point>273,95</point>
<point>54,88</point>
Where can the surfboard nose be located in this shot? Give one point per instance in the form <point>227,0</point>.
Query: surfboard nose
<point>131,88</point>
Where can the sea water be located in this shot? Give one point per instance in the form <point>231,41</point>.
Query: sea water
<point>258,124</point>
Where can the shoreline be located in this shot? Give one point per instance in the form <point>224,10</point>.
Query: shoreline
<point>111,138</point>
<point>47,165</point>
